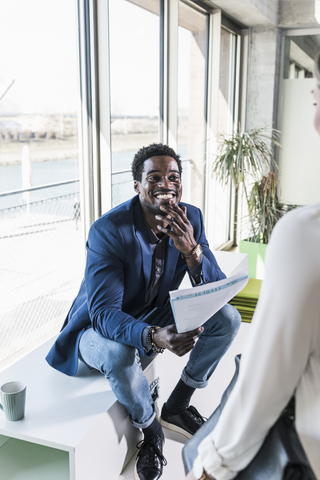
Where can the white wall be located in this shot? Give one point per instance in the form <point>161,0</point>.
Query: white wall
<point>300,159</point>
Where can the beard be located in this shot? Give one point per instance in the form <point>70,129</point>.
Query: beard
<point>155,209</point>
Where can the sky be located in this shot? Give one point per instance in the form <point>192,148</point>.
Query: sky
<point>38,51</point>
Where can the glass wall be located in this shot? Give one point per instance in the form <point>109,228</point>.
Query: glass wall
<point>41,245</point>
<point>222,199</point>
<point>192,97</point>
<point>134,86</point>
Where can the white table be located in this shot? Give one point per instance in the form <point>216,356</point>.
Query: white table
<point>74,426</point>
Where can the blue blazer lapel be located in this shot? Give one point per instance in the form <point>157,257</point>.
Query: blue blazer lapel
<point>142,235</point>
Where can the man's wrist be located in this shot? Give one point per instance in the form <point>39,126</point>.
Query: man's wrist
<point>195,253</point>
<point>148,342</point>
<point>146,339</point>
<point>153,343</point>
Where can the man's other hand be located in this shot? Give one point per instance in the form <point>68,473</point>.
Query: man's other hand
<point>177,343</point>
<point>176,225</point>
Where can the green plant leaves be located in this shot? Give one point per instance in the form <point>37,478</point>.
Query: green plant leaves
<point>248,159</point>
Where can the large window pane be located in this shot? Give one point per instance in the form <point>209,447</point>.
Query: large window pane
<point>226,120</point>
<point>192,62</point>
<point>41,247</point>
<point>134,77</point>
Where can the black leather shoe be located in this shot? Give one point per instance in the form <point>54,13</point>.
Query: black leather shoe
<point>150,460</point>
<point>186,422</point>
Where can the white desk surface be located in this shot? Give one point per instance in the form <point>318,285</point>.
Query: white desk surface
<point>60,410</point>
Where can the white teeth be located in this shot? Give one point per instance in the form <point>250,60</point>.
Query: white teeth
<point>164,196</point>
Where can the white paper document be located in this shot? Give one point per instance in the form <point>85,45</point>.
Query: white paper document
<point>192,307</point>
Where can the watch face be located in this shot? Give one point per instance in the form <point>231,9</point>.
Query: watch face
<point>198,251</point>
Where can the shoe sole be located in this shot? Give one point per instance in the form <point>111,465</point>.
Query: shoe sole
<point>175,428</point>
<point>135,472</point>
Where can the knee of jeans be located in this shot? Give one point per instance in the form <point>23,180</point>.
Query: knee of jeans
<point>232,319</point>
<point>227,320</point>
<point>119,358</point>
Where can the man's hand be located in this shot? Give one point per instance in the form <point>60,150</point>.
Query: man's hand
<point>176,225</point>
<point>177,343</point>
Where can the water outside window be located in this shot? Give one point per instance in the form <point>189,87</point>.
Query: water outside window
<point>41,245</point>
<point>134,91</point>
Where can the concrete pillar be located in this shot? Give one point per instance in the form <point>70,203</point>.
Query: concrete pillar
<point>263,77</point>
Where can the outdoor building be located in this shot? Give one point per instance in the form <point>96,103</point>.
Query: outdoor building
<point>85,83</point>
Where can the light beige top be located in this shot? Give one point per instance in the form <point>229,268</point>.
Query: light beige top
<point>282,354</point>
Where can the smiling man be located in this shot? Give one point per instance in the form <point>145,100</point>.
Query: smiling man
<point>136,253</point>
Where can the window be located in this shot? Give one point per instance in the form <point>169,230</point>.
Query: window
<point>134,86</point>
<point>192,97</point>
<point>41,244</point>
<point>226,125</point>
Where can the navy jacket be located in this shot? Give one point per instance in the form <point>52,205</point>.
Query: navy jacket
<point>118,269</point>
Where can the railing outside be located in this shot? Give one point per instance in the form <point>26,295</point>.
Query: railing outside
<point>41,266</point>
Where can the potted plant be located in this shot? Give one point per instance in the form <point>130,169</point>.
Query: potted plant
<point>265,209</point>
<point>248,159</point>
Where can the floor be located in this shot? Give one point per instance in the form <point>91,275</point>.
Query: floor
<point>205,401</point>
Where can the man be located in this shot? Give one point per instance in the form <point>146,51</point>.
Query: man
<point>136,254</point>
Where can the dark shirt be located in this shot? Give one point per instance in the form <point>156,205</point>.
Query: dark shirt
<point>159,249</point>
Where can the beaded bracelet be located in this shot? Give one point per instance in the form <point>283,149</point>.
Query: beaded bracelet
<point>154,346</point>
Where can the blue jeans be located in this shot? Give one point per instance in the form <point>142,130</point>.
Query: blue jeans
<point>121,364</point>
<point>190,450</point>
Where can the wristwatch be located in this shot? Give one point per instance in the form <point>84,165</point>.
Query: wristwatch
<point>195,252</point>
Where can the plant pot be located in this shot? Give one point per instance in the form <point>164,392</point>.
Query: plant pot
<point>256,253</point>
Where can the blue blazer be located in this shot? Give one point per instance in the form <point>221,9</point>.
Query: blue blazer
<point>117,274</point>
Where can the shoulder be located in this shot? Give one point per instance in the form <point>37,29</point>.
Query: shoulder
<point>294,244</point>
<point>118,215</point>
<point>299,225</point>
<point>114,223</point>
<point>120,212</point>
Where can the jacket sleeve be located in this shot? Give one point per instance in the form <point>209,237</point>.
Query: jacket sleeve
<point>104,275</point>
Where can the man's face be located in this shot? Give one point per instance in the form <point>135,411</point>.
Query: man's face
<point>160,184</point>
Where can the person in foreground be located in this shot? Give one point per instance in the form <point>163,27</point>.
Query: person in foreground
<point>282,354</point>
<point>136,254</point>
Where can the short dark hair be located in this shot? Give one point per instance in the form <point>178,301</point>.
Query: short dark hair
<point>153,150</point>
